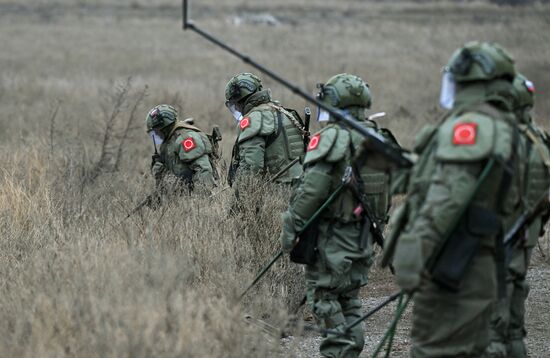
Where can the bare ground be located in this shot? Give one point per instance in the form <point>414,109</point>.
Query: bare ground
<point>381,286</point>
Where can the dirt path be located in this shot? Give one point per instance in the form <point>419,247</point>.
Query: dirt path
<point>538,318</point>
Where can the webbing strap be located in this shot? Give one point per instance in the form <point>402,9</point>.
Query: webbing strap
<point>290,117</point>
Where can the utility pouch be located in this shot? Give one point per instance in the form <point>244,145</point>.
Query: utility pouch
<point>366,228</point>
<point>305,251</point>
<point>461,247</point>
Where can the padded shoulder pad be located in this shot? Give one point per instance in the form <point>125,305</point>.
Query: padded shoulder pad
<point>504,139</point>
<point>190,145</point>
<point>256,122</point>
<point>341,146</point>
<point>326,145</point>
<point>465,138</point>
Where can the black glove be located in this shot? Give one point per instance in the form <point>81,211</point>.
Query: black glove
<point>154,158</point>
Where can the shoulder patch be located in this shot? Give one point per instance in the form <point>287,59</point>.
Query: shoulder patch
<point>321,147</point>
<point>314,142</point>
<point>468,137</point>
<point>250,126</point>
<point>257,122</point>
<point>465,133</point>
<point>190,145</point>
<point>244,123</point>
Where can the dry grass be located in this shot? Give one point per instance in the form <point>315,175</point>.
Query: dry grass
<point>78,280</point>
<point>84,282</point>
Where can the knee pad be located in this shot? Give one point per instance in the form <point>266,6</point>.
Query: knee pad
<point>328,312</point>
<point>351,306</point>
<point>496,350</point>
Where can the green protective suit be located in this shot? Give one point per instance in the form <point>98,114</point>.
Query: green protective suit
<point>457,200</point>
<point>269,138</point>
<point>344,250</point>
<point>508,321</point>
<point>186,154</point>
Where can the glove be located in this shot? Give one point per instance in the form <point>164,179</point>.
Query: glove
<point>288,237</point>
<point>157,169</point>
<point>154,159</point>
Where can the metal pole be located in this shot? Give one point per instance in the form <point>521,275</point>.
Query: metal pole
<point>357,321</point>
<point>283,171</point>
<point>262,273</point>
<point>280,253</point>
<point>373,311</point>
<point>373,140</point>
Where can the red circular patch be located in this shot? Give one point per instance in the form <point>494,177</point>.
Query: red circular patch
<point>465,133</point>
<point>244,123</point>
<point>313,142</point>
<point>188,144</point>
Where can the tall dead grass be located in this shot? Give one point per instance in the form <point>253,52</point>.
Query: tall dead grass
<point>78,280</point>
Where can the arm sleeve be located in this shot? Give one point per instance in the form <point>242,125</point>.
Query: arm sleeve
<point>313,190</point>
<point>399,180</point>
<point>251,155</point>
<point>450,186</point>
<point>202,171</point>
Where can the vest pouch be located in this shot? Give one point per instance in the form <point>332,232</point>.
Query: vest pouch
<point>461,247</point>
<point>305,251</point>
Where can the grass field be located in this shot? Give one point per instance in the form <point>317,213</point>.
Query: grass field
<point>76,81</point>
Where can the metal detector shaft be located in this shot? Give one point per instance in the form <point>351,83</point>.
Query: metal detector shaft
<point>390,333</point>
<point>357,321</point>
<point>360,319</point>
<point>373,311</point>
<point>283,171</point>
<point>262,273</point>
<point>280,253</point>
<point>373,140</point>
